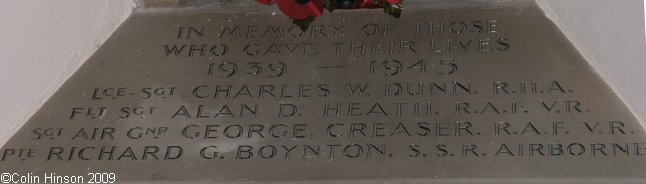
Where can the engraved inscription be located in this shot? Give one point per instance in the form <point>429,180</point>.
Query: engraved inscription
<point>235,93</point>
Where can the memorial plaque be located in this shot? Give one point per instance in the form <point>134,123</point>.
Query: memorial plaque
<point>452,92</point>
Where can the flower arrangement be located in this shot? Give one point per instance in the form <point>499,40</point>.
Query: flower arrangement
<point>304,12</point>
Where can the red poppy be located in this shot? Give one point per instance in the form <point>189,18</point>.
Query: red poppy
<point>298,9</point>
<point>303,12</point>
<point>303,9</point>
<point>393,1</point>
<point>367,4</point>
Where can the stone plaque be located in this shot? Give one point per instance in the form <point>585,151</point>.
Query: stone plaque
<point>452,92</point>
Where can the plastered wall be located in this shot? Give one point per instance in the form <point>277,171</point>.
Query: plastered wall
<point>610,34</point>
<point>42,43</point>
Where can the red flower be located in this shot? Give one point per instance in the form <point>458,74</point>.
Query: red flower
<point>367,4</point>
<point>298,9</point>
<point>303,12</point>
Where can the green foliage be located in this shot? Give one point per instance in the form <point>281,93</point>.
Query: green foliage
<point>329,5</point>
<point>394,10</point>
<point>304,23</point>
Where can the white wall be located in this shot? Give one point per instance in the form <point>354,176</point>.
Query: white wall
<point>610,34</point>
<point>42,43</point>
